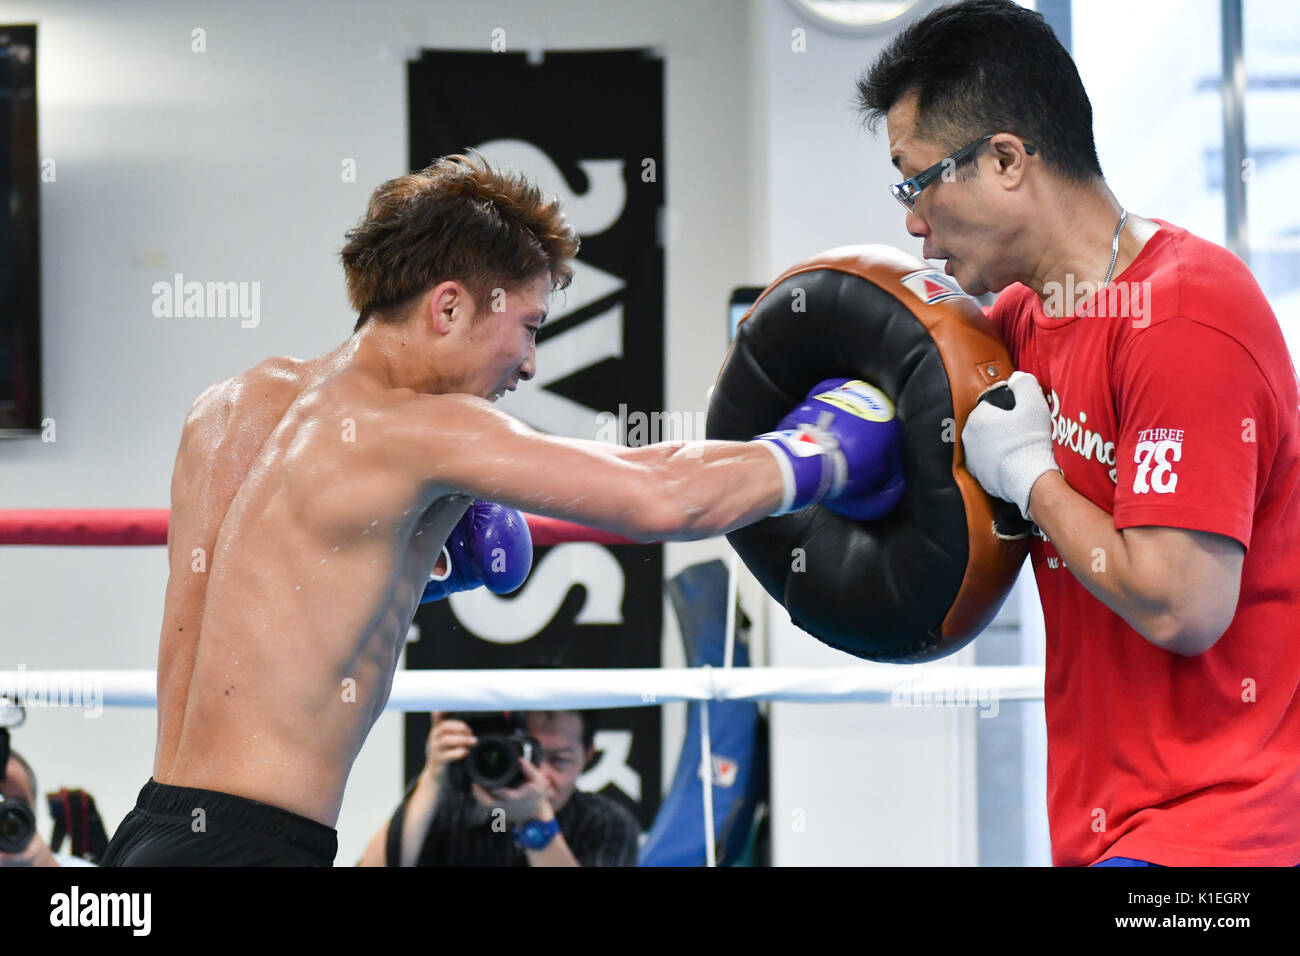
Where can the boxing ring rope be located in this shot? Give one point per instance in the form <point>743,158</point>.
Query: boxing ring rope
<point>119,527</point>
<point>594,688</point>
<point>576,689</point>
<point>534,689</point>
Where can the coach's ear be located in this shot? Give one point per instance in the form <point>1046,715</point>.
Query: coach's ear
<point>1009,153</point>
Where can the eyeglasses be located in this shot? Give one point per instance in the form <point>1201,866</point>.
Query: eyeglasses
<point>907,191</point>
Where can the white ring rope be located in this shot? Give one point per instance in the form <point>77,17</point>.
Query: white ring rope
<point>924,685</point>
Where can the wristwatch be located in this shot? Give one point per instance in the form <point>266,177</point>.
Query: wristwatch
<point>536,835</point>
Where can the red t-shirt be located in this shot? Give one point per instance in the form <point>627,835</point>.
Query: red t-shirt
<point>1179,410</point>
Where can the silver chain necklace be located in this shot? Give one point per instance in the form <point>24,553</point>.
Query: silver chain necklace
<point>1114,248</point>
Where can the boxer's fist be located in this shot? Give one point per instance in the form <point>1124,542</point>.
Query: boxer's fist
<point>490,545</point>
<point>842,447</point>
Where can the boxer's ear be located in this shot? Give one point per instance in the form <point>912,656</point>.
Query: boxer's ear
<point>440,304</point>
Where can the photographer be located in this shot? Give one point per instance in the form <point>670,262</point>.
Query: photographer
<point>18,786</point>
<point>18,793</point>
<point>541,820</point>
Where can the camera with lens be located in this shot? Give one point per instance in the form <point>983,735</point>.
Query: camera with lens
<point>493,762</point>
<point>17,822</point>
<point>17,826</point>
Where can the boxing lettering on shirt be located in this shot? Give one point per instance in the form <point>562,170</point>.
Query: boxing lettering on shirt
<point>1079,439</point>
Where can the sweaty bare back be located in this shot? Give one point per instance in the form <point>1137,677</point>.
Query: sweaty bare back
<point>295,568</point>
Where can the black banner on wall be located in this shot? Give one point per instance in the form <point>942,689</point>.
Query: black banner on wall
<point>587,127</point>
<point>20,237</point>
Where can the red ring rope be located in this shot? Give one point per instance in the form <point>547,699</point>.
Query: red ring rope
<point>142,526</point>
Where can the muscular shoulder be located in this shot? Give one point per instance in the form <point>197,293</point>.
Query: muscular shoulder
<point>272,382</point>
<point>228,423</point>
<point>454,420</point>
<point>445,407</point>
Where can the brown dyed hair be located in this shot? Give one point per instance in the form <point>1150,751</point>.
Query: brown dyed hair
<point>459,219</point>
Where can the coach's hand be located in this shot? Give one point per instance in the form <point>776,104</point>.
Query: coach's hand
<point>490,545</point>
<point>1008,439</point>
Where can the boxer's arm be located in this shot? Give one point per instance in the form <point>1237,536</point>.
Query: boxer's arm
<point>667,491</point>
<point>1177,588</point>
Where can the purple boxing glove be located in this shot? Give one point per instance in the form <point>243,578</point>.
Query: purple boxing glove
<point>490,545</point>
<point>842,447</point>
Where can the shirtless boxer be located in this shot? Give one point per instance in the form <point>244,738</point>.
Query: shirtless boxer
<point>312,498</point>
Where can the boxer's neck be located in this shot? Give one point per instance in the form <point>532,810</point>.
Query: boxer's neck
<point>391,355</point>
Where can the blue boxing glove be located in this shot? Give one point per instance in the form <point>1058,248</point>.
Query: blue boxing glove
<point>490,545</point>
<point>842,447</point>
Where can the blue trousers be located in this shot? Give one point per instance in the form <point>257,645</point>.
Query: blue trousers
<point>1124,861</point>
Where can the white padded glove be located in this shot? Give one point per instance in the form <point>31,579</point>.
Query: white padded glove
<point>1008,449</point>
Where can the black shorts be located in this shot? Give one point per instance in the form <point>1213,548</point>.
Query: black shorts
<point>164,829</point>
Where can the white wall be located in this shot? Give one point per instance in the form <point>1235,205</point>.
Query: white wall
<point>225,165</point>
